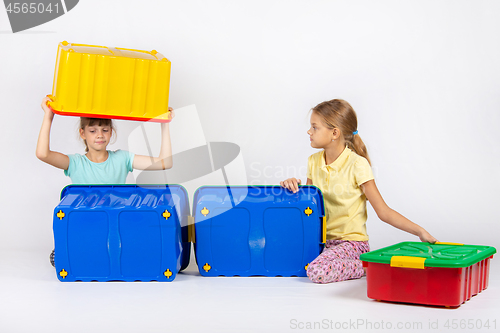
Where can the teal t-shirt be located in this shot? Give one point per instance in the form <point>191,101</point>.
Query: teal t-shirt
<point>114,170</point>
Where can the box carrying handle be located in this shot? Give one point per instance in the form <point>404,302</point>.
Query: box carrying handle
<point>191,231</point>
<point>408,262</point>
<point>324,230</point>
<point>448,243</point>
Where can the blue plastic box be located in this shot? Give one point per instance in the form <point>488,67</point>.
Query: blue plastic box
<point>121,233</point>
<point>262,230</point>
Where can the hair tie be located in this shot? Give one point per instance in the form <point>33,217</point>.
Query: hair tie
<point>355,132</point>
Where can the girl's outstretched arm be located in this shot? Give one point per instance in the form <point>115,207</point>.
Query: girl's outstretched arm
<point>164,160</point>
<point>390,216</point>
<point>43,151</point>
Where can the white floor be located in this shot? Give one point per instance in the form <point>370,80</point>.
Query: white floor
<point>33,300</point>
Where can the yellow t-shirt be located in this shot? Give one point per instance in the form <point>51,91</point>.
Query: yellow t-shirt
<point>345,202</point>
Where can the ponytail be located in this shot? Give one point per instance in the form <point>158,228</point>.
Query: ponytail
<point>358,146</point>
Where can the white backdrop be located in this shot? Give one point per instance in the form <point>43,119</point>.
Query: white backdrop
<point>423,76</point>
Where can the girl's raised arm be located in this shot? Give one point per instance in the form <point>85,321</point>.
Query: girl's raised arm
<point>164,160</point>
<point>43,151</point>
<point>390,216</point>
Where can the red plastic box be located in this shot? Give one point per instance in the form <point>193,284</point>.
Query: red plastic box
<point>441,274</point>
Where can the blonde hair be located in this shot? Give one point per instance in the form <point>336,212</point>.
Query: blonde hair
<point>84,122</point>
<point>337,113</point>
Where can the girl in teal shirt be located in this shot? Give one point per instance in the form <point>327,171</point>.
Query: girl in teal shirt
<point>99,165</point>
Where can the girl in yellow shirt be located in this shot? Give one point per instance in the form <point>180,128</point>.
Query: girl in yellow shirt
<point>342,170</point>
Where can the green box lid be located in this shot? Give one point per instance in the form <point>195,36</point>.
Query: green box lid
<point>436,255</point>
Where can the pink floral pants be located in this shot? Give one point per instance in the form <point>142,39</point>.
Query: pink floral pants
<point>339,261</point>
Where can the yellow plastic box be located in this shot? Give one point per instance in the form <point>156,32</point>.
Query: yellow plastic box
<point>102,82</point>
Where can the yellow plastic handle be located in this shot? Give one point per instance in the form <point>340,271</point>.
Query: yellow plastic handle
<point>134,50</point>
<point>86,45</point>
<point>191,230</point>
<point>324,229</point>
<point>448,243</point>
<point>49,103</point>
<point>408,262</point>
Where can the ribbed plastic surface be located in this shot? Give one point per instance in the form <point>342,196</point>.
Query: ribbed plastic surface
<point>121,232</point>
<point>101,82</point>
<point>262,230</point>
<point>451,276</point>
